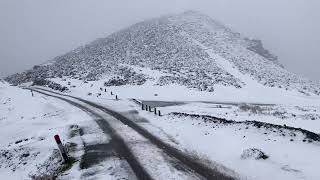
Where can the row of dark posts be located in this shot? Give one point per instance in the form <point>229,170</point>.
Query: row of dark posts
<point>105,90</point>
<point>116,95</point>
<point>149,108</point>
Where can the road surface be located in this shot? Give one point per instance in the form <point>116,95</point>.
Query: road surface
<point>180,164</point>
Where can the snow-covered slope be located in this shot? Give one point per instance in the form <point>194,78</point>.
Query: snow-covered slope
<point>27,147</point>
<point>191,49</point>
<point>28,125</point>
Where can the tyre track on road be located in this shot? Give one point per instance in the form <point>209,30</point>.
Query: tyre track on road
<point>118,143</point>
<point>196,166</point>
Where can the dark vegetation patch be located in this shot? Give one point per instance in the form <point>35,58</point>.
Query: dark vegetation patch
<point>17,157</point>
<point>251,108</point>
<point>280,112</point>
<point>310,116</point>
<point>253,153</point>
<point>126,76</point>
<point>19,141</point>
<point>116,81</point>
<point>52,167</point>
<point>50,84</point>
<point>281,129</point>
<point>200,79</point>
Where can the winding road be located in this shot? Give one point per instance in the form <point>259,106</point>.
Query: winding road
<point>147,154</point>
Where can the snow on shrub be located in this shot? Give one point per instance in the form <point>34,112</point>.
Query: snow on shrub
<point>253,153</point>
<point>126,76</point>
<point>251,108</point>
<point>50,84</point>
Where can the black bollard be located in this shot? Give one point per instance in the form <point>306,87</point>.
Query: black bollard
<point>105,90</point>
<point>155,111</point>
<point>142,106</point>
<point>150,109</point>
<point>146,107</point>
<point>159,112</point>
<point>111,93</point>
<point>116,97</point>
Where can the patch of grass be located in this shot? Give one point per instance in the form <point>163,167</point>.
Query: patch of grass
<point>67,165</point>
<point>44,177</point>
<point>60,170</point>
<point>251,108</point>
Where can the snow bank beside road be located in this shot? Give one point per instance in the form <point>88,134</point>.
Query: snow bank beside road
<point>289,156</point>
<point>28,125</point>
<point>226,144</point>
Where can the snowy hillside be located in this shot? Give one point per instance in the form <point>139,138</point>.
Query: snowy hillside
<point>188,49</point>
<point>27,146</point>
<point>257,141</point>
<point>219,105</point>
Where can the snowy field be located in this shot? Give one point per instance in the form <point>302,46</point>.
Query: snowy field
<point>28,149</point>
<point>288,136</point>
<point>252,92</point>
<point>256,131</point>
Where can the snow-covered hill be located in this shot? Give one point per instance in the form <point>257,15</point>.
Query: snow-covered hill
<point>222,96</point>
<point>189,49</point>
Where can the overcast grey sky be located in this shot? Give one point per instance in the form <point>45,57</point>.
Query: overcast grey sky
<point>33,31</point>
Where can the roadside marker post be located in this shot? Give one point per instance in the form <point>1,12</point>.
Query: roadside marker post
<point>62,149</point>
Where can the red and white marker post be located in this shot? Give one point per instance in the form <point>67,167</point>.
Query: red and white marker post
<point>62,149</point>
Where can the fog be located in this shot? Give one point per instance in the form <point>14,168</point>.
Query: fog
<point>34,31</point>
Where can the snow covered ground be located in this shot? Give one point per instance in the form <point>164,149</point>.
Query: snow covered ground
<point>221,127</point>
<point>291,154</point>
<point>28,149</point>
<point>258,119</point>
<point>252,92</point>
